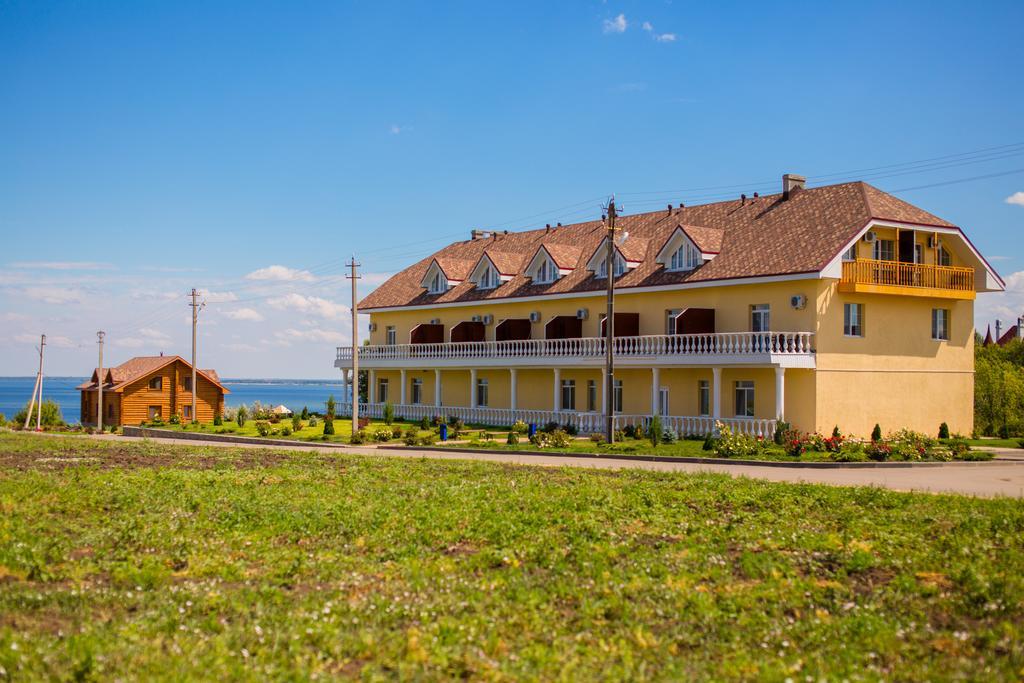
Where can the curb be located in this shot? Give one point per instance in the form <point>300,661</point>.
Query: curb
<point>705,461</point>
<point>149,433</point>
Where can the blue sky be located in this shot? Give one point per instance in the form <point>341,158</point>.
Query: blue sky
<point>151,147</point>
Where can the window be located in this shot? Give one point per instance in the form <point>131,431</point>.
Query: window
<point>110,410</point>
<point>885,250</point>
<point>186,412</point>
<point>546,273</point>
<point>602,267</point>
<point>686,257</point>
<point>439,283</point>
<point>940,324</point>
<point>481,393</point>
<point>591,395</point>
<point>760,317</point>
<point>154,412</point>
<point>489,279</point>
<point>617,395</point>
<point>390,335</point>
<point>918,254</point>
<point>851,253</point>
<point>568,394</point>
<point>382,390</point>
<point>945,258</point>
<point>745,398</point>
<point>186,384</point>
<point>703,397</point>
<point>853,320</point>
<point>670,320</point>
<point>417,391</point>
<point>156,383</point>
<point>663,401</point>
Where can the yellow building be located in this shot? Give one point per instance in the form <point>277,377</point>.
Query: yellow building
<point>838,305</point>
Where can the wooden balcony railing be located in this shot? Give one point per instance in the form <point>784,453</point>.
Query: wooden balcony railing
<point>718,344</point>
<point>899,274</point>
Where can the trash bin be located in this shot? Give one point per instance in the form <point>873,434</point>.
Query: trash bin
<point>533,429</point>
<point>444,432</point>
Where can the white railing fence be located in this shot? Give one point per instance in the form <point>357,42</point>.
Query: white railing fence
<point>721,343</point>
<point>584,422</point>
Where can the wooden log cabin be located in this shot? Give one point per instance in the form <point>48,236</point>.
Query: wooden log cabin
<point>146,387</point>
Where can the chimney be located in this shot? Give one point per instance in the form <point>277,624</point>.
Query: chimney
<point>681,205</point>
<point>477,234</point>
<point>669,209</point>
<point>743,199</point>
<point>559,225</point>
<point>792,183</point>
<point>756,195</point>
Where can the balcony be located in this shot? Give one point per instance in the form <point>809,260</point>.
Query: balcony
<point>908,279</point>
<point>785,349</point>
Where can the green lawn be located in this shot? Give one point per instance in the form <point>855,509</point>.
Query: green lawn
<point>681,448</point>
<point>133,560</point>
<point>996,443</point>
<point>342,429</point>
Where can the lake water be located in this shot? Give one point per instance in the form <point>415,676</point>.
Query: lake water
<point>294,393</point>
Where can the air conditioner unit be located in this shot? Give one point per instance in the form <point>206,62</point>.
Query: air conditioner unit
<point>535,317</point>
<point>488,319</point>
<point>869,236</point>
<point>798,301</point>
<point>476,318</point>
<point>934,242</point>
<point>373,327</point>
<point>582,313</point>
<point>435,321</point>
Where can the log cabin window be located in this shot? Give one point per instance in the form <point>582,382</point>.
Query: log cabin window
<point>154,412</point>
<point>157,383</point>
<point>186,412</point>
<point>186,384</point>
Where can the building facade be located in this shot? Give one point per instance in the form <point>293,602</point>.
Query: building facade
<point>145,388</point>
<point>832,306</point>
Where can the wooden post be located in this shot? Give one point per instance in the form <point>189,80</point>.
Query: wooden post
<point>99,385</point>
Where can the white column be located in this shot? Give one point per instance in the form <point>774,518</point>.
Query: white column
<point>344,385</point>
<point>401,394</point>
<point>371,393</point>
<point>557,396</point>
<point>716,393</point>
<point>472,388</point>
<point>513,384</point>
<point>655,390</point>
<point>437,388</point>
<point>780,393</point>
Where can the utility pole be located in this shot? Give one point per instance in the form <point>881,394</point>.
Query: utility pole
<point>355,345</point>
<point>38,388</point>
<point>609,326</point>
<point>195,319</point>
<point>99,384</point>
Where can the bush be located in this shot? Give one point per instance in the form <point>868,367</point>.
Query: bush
<point>262,427</point>
<point>425,423</point>
<point>51,416</point>
<point>975,455</point>
<point>668,436</point>
<point>520,427</point>
<point>836,432</point>
<point>175,419</point>
<point>619,435</point>
<point>439,420</point>
<point>313,422</point>
<point>709,442</point>
<point>550,427</point>
<point>1020,443</point>
<point>242,415</point>
<point>305,413</point>
<point>286,431</point>
<point>410,439</point>
<point>958,448</point>
<point>389,413</point>
<point>357,438</point>
<point>274,418</point>
<point>217,420</point>
<point>629,431</point>
<point>296,423</point>
<point>427,440</point>
<point>513,438</point>
<point>559,439</point>
<point>878,450</point>
<point>779,437</point>
<point>943,431</point>
<point>571,429</point>
<point>328,426</point>
<point>411,431</point>
<point>851,452</point>
<point>731,444</point>
<point>654,431</point>
<point>113,428</point>
<point>597,437</point>
<point>3,420</point>
<point>487,436</point>
<point>455,428</point>
<point>396,431</point>
<point>795,443</point>
<point>383,434</point>
<point>876,433</point>
<point>330,405</point>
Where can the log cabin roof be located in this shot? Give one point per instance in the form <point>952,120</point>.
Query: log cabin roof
<point>118,377</point>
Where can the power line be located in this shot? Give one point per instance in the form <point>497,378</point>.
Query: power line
<point>959,180</point>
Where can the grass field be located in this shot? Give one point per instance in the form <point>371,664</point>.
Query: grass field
<point>342,429</point>
<point>133,560</point>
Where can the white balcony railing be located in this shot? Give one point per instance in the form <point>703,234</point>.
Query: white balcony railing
<point>702,345</point>
<point>585,422</point>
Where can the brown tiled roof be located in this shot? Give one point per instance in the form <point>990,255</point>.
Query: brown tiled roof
<point>507,262</point>
<point>139,367</point>
<point>756,237</point>
<point>564,255</point>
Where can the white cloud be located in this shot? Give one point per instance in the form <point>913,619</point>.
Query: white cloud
<point>129,342</point>
<point>249,314</point>
<point>157,335</point>
<point>314,334</point>
<point>616,25</point>
<point>55,295</point>
<point>1005,306</point>
<point>1016,198</point>
<point>665,37</point>
<point>647,26</point>
<point>51,340</point>
<point>281,274</point>
<point>217,297</point>
<point>310,304</point>
<point>240,346</point>
<point>62,265</point>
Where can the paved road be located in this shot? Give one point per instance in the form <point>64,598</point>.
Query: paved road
<point>982,479</point>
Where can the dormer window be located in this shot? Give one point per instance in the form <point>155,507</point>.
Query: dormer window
<point>602,267</point>
<point>686,257</point>
<point>488,279</point>
<point>542,269</point>
<point>438,284</point>
<point>546,273</point>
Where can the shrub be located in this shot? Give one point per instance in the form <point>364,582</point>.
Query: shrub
<point>396,431</point>
<point>286,431</point>
<point>174,420</point>
<point>425,423</point>
<point>851,452</point>
<point>878,450</point>
<point>571,429</point>
<point>427,440</point>
<point>410,439</point>
<point>330,405</point>
<point>487,436</point>
<point>389,413</point>
<point>597,437</point>
<point>439,420</point>
<point>779,437</point>
<point>3,420</point>
<point>455,428</point>
<point>1020,443</point>
<point>731,444</point>
<point>274,418</point>
<point>513,438</point>
<point>113,428</point>
<point>411,431</point>
<point>975,455</point>
<point>313,422</point>
<point>958,447</point>
<point>559,439</point>
<point>654,431</point>
<point>795,443</point>
<point>328,426</point>
<point>217,420</point>
<point>550,427</point>
<point>539,439</point>
<point>262,427</point>
<point>943,431</point>
<point>357,438</point>
<point>1004,432</point>
<point>157,421</point>
<point>305,413</point>
<point>836,432</point>
<point>876,433</point>
<point>383,433</point>
<point>619,435</point>
<point>668,436</point>
<point>296,423</point>
<point>834,443</point>
<point>709,442</point>
<point>629,431</point>
<point>242,415</point>
<point>520,427</point>
<point>51,416</point>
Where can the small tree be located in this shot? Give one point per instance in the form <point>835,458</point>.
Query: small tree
<point>217,420</point>
<point>943,431</point>
<point>389,413</point>
<point>654,432</point>
<point>836,432</point>
<point>296,423</point>
<point>305,413</point>
<point>50,417</point>
<point>242,415</point>
<point>329,417</point>
<point>876,433</point>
